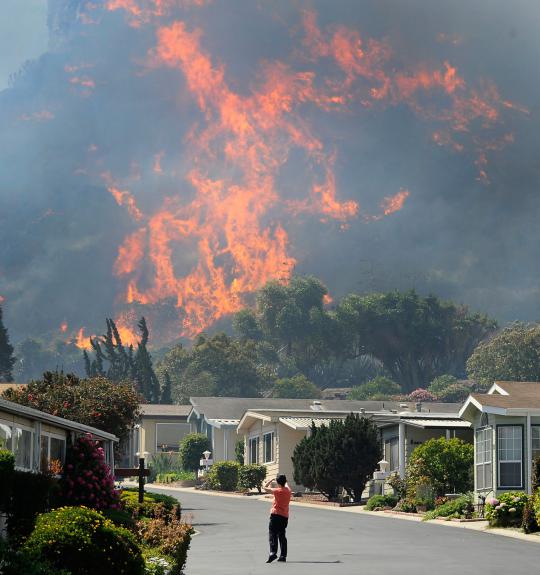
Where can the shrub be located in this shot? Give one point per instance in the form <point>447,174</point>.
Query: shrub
<point>32,494</point>
<point>529,523</point>
<point>162,463</point>
<point>18,562</point>
<point>456,393</point>
<point>83,541</point>
<point>536,474</point>
<point>454,508</point>
<point>379,387</point>
<point>170,538</point>
<point>444,463</point>
<point>223,475</point>
<point>398,484</point>
<point>381,501</point>
<point>121,518</point>
<point>507,509</point>
<point>173,476</point>
<point>157,565</point>
<point>87,479</point>
<point>421,395</point>
<point>239,450</point>
<point>441,383</point>
<point>7,470</point>
<point>191,449</point>
<point>153,505</point>
<point>424,494</point>
<point>251,476</point>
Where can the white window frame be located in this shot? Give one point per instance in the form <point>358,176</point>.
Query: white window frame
<point>480,459</point>
<point>22,427</point>
<point>188,425</point>
<point>272,447</point>
<point>499,460</point>
<point>257,440</point>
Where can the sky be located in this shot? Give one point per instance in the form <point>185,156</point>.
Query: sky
<point>167,158</point>
<point>23,35</point>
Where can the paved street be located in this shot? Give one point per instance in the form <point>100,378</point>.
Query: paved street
<point>233,541</point>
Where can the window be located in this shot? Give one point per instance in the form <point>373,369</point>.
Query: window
<point>22,447</point>
<point>510,455</point>
<point>169,435</point>
<point>254,450</point>
<point>483,463</point>
<point>268,444</point>
<point>53,453</point>
<point>535,438</point>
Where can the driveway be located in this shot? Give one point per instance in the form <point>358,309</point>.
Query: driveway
<point>232,540</point>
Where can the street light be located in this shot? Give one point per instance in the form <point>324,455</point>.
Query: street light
<point>381,475</point>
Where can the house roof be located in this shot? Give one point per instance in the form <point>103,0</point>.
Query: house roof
<point>38,415</point>
<point>233,408</point>
<point>437,423</point>
<point>505,398</point>
<point>164,410</point>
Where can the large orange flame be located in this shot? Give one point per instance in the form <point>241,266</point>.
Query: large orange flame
<point>228,209</point>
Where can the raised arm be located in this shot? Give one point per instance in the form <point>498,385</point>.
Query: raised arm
<point>267,487</point>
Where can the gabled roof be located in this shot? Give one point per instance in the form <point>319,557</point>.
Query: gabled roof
<point>504,398</point>
<point>234,407</point>
<point>164,410</point>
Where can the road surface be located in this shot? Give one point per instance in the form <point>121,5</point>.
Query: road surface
<point>232,540</point>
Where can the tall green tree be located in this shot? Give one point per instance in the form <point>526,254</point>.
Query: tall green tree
<point>7,360</point>
<point>343,454</point>
<point>217,365</point>
<point>143,370</point>
<point>118,362</point>
<point>511,355</point>
<point>378,388</point>
<point>415,338</point>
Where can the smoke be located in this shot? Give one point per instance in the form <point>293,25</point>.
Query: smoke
<point>167,157</point>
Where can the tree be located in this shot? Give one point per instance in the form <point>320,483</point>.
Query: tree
<point>146,380</point>
<point>217,365</point>
<point>421,395</point>
<point>344,454</point>
<point>441,383</point>
<point>378,388</point>
<point>511,355</point>
<point>414,338</point>
<point>455,393</point>
<point>239,449</point>
<point>7,360</point>
<point>98,402</point>
<point>192,447</point>
<point>112,359</point>
<point>166,392</point>
<point>297,387</point>
<point>446,464</point>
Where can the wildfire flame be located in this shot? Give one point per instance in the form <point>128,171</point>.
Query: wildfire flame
<point>236,215</point>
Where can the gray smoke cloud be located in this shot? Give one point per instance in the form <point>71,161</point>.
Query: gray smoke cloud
<point>92,106</point>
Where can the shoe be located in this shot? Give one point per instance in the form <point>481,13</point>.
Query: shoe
<point>282,559</point>
<point>271,558</point>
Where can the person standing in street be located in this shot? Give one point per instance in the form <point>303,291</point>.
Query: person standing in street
<point>279,518</point>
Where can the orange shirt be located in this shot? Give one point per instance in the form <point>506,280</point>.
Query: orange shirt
<point>282,496</point>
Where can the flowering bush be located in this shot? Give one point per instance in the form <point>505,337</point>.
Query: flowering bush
<point>153,505</point>
<point>83,541</point>
<point>506,509</point>
<point>157,566</point>
<point>171,538</point>
<point>421,395</point>
<point>87,479</point>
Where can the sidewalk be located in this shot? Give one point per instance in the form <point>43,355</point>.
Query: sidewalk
<point>479,526</point>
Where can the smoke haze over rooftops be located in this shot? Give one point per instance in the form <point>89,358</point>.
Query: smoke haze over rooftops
<point>168,157</point>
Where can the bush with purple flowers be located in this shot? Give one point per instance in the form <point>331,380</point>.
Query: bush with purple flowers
<point>87,478</point>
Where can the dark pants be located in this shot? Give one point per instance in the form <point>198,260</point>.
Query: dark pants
<point>276,532</point>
